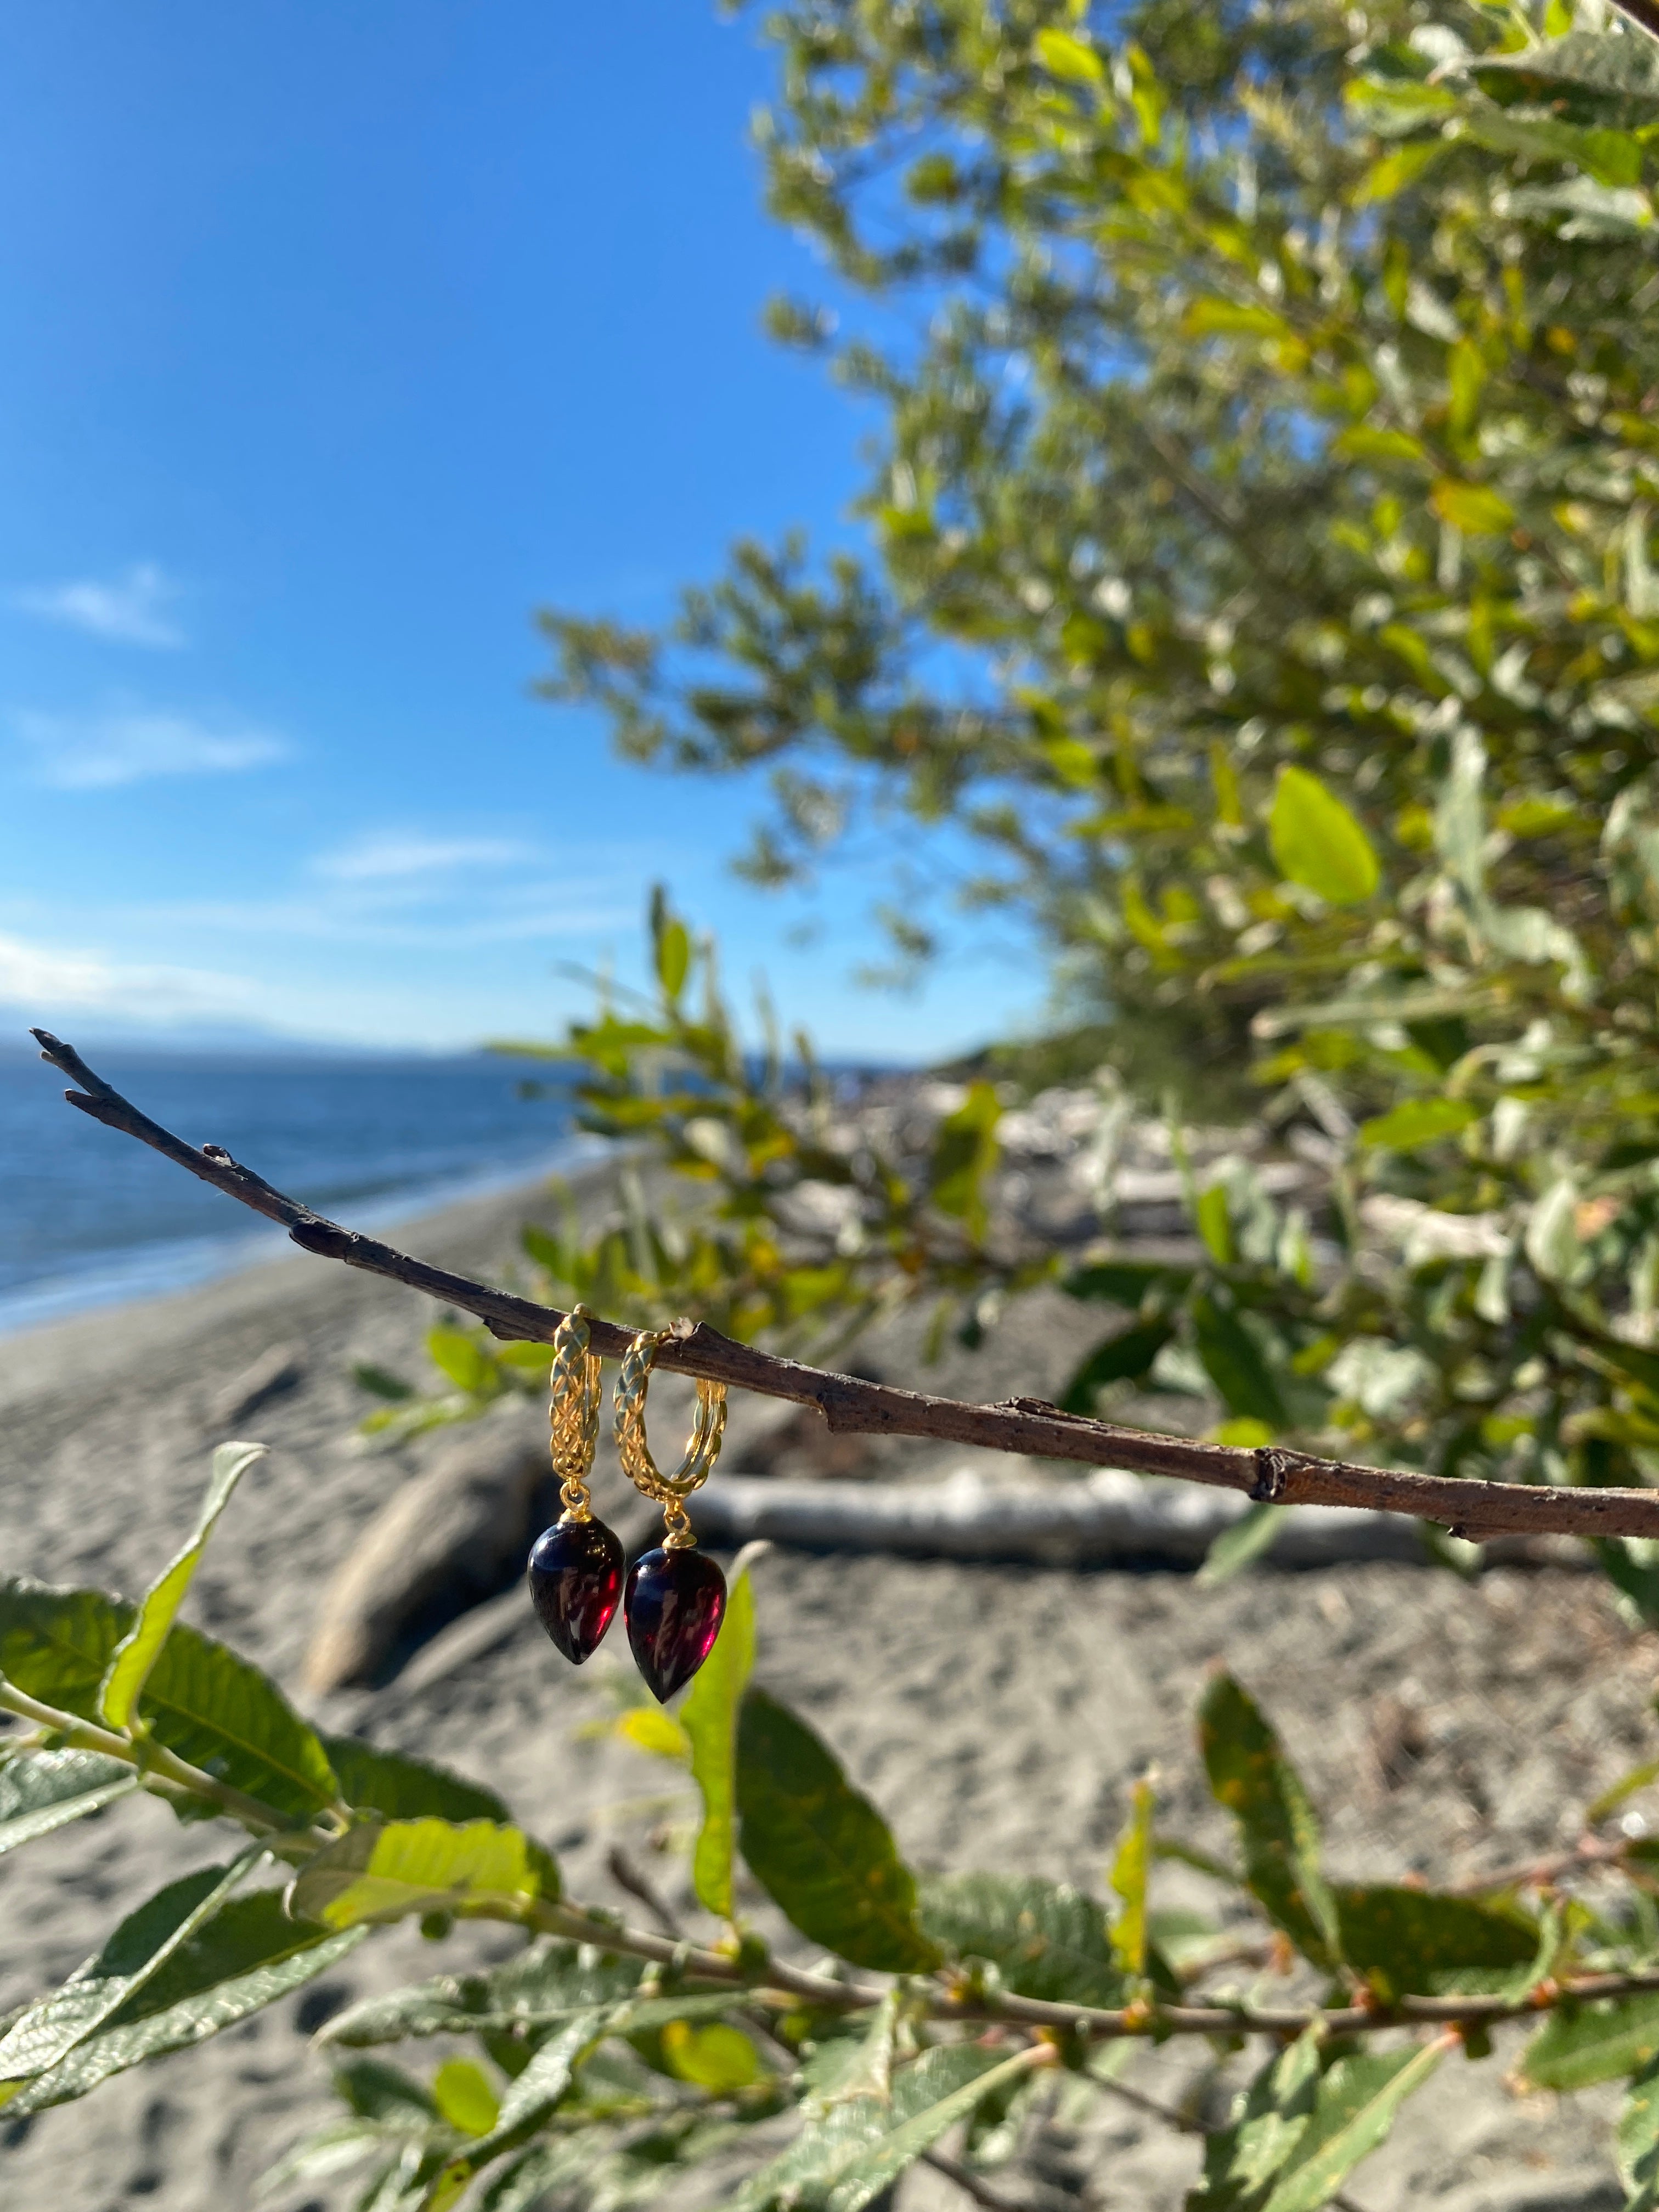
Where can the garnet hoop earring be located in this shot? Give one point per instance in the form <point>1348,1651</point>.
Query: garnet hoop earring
<point>676,1596</point>
<point>576,1566</point>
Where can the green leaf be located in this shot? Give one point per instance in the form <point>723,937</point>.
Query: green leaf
<point>201,1700</point>
<point>1123,1282</point>
<point>381,1382</point>
<point>1390,176</point>
<point>56,1644</point>
<point>385,1872</point>
<point>673,958</point>
<point>1214,1225</point>
<point>1613,1796</point>
<point>45,2033</point>
<point>1637,1575</point>
<point>244,1958</point>
<point>529,2101</point>
<point>1064,55</point>
<point>1411,1941</point>
<point>1472,509</point>
<point>219,1712</point>
<point>373,1778</point>
<point>1587,73</point>
<point>1318,843</point>
<point>709,1719</point>
<point>1269,2118</point>
<point>462,2093</point>
<point>537,1988</point>
<point>1355,2106</point>
<point>1416,1122</point>
<point>867,2175</point>
<point>820,1850</point>
<point>719,2059</point>
<point>1636,2143</point>
<point>137,1651</point>
<point>1131,1871</point>
<point>1233,1362</point>
<point>40,1790</point>
<point>1045,1939</point>
<point>1240,1545</point>
<point>854,2143</point>
<point>467,1363</point>
<point>1363,443</point>
<point>964,1153</point>
<point>671,945</point>
<point>1592,2042</point>
<point>1125,1358</point>
<point>1278,1831</point>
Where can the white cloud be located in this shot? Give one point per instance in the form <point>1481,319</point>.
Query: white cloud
<point>393,856</point>
<point>423,890</point>
<point>127,609</point>
<point>44,978</point>
<point>129,744</point>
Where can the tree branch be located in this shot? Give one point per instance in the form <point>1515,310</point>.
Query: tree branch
<point>851,1407</point>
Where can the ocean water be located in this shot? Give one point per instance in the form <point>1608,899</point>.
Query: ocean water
<point>90,1218</point>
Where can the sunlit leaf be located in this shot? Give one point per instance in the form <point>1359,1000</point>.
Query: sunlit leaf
<point>137,1650</point>
<point>1063,55</point>
<point>718,2058</point>
<point>462,2092</point>
<point>1132,1868</point>
<point>1468,507</point>
<point>1317,842</point>
<point>1416,1122</point>
<point>386,1872</point>
<point>709,1719</point>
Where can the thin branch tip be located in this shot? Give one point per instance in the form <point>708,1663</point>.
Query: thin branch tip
<point>851,1405</point>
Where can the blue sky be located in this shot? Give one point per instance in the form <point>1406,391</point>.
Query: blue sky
<point>333,340</point>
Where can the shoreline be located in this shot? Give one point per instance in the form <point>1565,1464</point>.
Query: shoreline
<point>129,1283</point>
<point>209,1331</point>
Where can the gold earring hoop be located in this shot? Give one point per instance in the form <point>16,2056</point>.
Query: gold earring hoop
<point>675,1599</point>
<point>707,1428</point>
<point>576,1396</point>
<point>576,1571</point>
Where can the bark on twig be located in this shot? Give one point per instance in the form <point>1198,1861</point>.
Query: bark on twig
<point>851,1406</point>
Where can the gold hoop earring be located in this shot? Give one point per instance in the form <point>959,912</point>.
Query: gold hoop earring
<point>675,1599</point>
<point>576,1571</point>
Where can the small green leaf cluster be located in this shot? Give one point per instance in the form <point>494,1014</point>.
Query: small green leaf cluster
<point>597,2066</point>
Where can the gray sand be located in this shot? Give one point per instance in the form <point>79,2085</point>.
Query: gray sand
<point>997,1714</point>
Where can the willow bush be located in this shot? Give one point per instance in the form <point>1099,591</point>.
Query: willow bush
<point>1262,581</point>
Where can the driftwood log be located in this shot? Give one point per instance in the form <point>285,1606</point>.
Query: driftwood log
<point>449,1538</point>
<point>1101,1519</point>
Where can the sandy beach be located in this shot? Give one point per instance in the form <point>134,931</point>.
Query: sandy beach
<point>998,1715</point>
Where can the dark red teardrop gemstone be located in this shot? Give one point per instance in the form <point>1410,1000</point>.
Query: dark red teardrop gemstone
<point>575,1579</point>
<point>675,1603</point>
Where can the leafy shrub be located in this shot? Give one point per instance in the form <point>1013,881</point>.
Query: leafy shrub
<point>599,2066</point>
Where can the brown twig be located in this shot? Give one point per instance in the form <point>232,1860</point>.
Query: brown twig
<point>851,1407</point>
